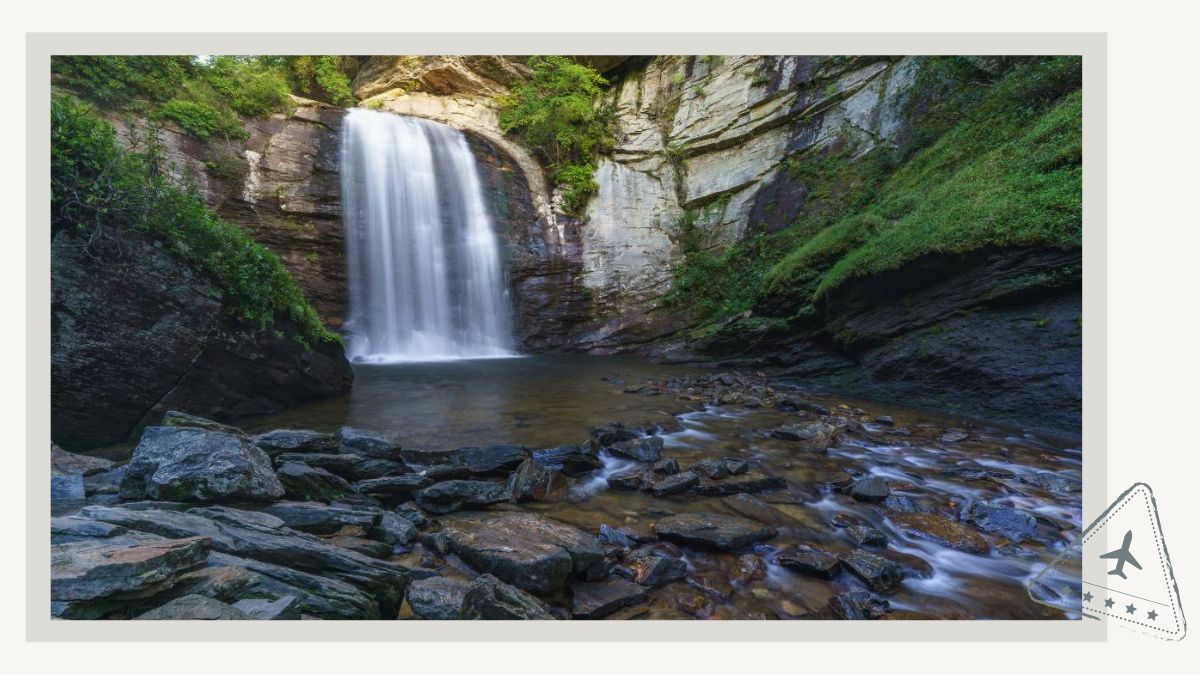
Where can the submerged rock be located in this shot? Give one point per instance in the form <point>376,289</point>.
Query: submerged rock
<point>489,598</point>
<point>1052,482</point>
<point>752,507</point>
<point>943,531</point>
<point>878,573</point>
<point>280,441</point>
<point>460,495</point>
<point>751,481</point>
<point>530,551</point>
<point>870,490</point>
<point>858,605</point>
<point>863,535</point>
<point>190,464</point>
<point>437,598</point>
<point>594,600</point>
<point>193,608</point>
<point>1016,526</point>
<point>711,530</point>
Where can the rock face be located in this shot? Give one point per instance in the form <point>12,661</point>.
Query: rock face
<point>190,464</point>
<point>136,332</point>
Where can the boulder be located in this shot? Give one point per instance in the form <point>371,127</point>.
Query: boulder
<point>870,490</point>
<point>437,598</point>
<point>353,441</point>
<point>572,460</point>
<point>394,487</point>
<point>1012,524</point>
<point>394,529</point>
<point>65,462</point>
<point>192,464</point>
<point>460,495</point>
<point>350,467</point>
<point>66,494</point>
<point>533,552</point>
<point>88,570</point>
<point>647,449</point>
<point>680,482</point>
<point>593,600</point>
<point>878,573</point>
<point>534,482</point>
<point>489,598</point>
<point>174,418</point>
<point>943,531</point>
<point>286,608</point>
<point>302,482</point>
<point>280,441</point>
<point>194,608</point>
<point>858,605</point>
<point>810,562</point>
<point>318,518</point>
<point>711,530</point>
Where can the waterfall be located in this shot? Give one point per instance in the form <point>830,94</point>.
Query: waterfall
<point>423,260</point>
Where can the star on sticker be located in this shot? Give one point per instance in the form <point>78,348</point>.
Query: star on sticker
<point>1130,609</point>
<point>1108,602</point>
<point>1152,615</point>
<point>1087,597</point>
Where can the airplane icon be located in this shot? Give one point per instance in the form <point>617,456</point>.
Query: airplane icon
<point>1122,556</point>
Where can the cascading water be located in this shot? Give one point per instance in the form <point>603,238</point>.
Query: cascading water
<point>425,278</point>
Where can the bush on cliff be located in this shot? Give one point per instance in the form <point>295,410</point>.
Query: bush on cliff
<point>558,114</point>
<point>99,190</point>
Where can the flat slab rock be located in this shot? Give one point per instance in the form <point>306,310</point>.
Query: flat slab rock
<point>88,570</point>
<point>594,600</point>
<point>532,552</point>
<point>943,531</point>
<point>194,608</point>
<point>711,530</point>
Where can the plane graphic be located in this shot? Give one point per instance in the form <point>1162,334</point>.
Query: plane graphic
<point>1122,556</point>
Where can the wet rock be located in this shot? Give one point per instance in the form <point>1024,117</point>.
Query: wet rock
<point>870,490</point>
<point>460,495</point>
<point>954,436</point>
<point>630,479</point>
<point>1052,482</point>
<point>680,482</point>
<point>105,482</point>
<point>976,472</point>
<point>429,457</point>
<point>194,608</point>
<point>437,598</point>
<point>534,482</point>
<point>394,529</point>
<point>318,518</point>
<point>535,553</point>
<point>317,596</point>
<point>913,565</point>
<point>812,435</point>
<point>302,482</point>
<point>87,570</point>
<point>751,567</point>
<point>351,467</point>
<point>863,535</point>
<point>878,573</point>
<point>752,481</point>
<point>222,582</point>
<point>489,598</point>
<point>754,508</point>
<point>72,528</point>
<point>394,487</point>
<point>858,605</point>
<point>711,530</point>
<point>710,468</point>
<point>737,467</point>
<point>190,464</point>
<point>367,547</point>
<point>174,418</point>
<point>237,517</point>
<point>1016,526</point>
<point>64,462</point>
<point>902,504</point>
<point>941,530</point>
<point>412,513</point>
<point>352,441</point>
<point>613,434</point>
<point>655,571</point>
<point>594,600</point>
<point>666,467</point>
<point>572,460</point>
<point>647,449</point>
<point>810,562</point>
<point>615,537</point>
<point>286,608</point>
<point>66,494</point>
<point>885,420</point>
<point>297,441</point>
<point>489,460</point>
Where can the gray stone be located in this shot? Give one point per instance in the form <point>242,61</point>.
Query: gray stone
<point>490,460</point>
<point>318,596</point>
<point>863,535</point>
<point>191,464</point>
<point>751,481</point>
<point>88,570</point>
<point>71,528</point>
<point>811,435</point>
<point>302,482</point>
<point>491,599</point>
<point>593,600</point>
<point>348,466</point>
<point>711,530</point>
<point>666,467</point>
<point>941,530</point>
<point>1016,526</point>
<point>647,449</point>
<point>534,482</point>
<point>754,508</point>
<point>870,490</point>
<point>318,518</point>
<point>394,487</point>
<point>858,605</point>
<point>66,494</point>
<point>193,608</point>
<point>259,609</point>
<point>437,598</point>
<point>710,468</point>
<point>174,418</point>
<point>629,479</point>
<point>810,562</point>
<point>460,495</point>
<point>1052,482</point>
<point>572,460</point>
<point>680,482</point>
<point>659,570</point>
<point>394,529</point>
<point>367,547</point>
<point>878,573</point>
<point>353,441</point>
<point>280,441</point>
<point>71,463</point>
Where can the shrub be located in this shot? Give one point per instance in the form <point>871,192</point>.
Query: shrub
<point>557,113</point>
<point>100,190</point>
<point>248,85</point>
<point>118,80</point>
<point>203,120</point>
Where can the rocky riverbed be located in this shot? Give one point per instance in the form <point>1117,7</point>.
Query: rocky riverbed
<point>745,499</point>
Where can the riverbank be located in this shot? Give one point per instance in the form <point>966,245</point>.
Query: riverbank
<point>694,495</point>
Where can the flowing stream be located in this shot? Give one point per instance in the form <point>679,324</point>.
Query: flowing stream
<point>425,276</point>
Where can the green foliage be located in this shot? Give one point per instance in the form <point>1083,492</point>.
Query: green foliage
<point>99,190</point>
<point>333,81</point>
<point>557,113</point>
<point>249,85</point>
<point>118,80</point>
<point>202,120</point>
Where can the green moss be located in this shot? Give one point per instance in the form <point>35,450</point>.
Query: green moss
<point>99,189</point>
